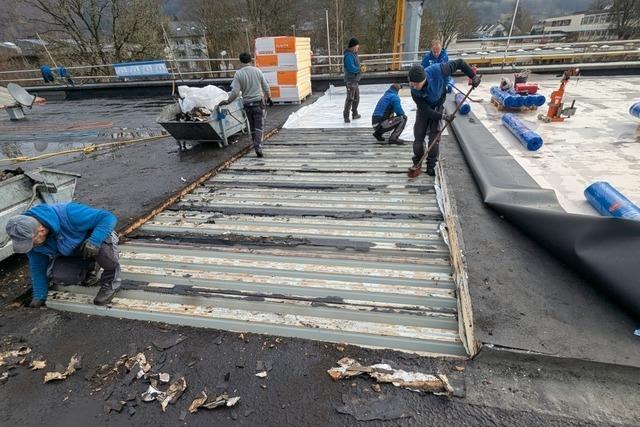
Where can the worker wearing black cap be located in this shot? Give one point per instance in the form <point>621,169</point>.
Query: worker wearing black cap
<point>429,91</point>
<point>352,72</point>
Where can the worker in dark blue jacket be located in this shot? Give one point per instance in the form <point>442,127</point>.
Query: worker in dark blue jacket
<point>437,55</point>
<point>428,90</point>
<point>63,242</point>
<point>389,116</point>
<point>352,74</point>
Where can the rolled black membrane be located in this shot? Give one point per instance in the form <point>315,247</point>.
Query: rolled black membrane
<point>603,250</point>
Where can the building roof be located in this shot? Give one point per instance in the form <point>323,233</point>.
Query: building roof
<point>184,29</point>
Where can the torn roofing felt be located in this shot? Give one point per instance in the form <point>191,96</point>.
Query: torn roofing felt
<point>604,250</point>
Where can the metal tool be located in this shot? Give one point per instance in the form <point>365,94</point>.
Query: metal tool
<point>470,99</point>
<point>416,170</point>
<point>556,112</point>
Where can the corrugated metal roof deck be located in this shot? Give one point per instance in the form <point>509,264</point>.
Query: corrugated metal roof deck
<point>325,238</point>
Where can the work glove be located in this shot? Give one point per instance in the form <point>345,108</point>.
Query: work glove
<point>448,117</point>
<point>475,81</point>
<point>363,68</point>
<point>88,250</point>
<point>270,102</point>
<point>222,103</point>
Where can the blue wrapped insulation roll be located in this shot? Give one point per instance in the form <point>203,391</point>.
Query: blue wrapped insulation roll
<point>539,100</point>
<point>610,202</point>
<point>507,99</point>
<point>634,110</point>
<point>526,136</point>
<point>466,108</point>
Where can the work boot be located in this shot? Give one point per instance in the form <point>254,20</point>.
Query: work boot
<point>356,116</point>
<point>92,278</point>
<point>346,119</point>
<point>377,135</point>
<point>431,171</point>
<point>36,303</point>
<point>259,152</point>
<point>105,294</point>
<point>397,141</point>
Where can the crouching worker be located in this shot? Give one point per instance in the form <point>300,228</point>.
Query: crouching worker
<point>389,116</point>
<point>63,243</point>
<point>428,90</point>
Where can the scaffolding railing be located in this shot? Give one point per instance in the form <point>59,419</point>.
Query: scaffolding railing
<point>212,68</point>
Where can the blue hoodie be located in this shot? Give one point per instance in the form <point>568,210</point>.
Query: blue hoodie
<point>430,59</point>
<point>69,225</point>
<point>389,103</point>
<point>351,66</point>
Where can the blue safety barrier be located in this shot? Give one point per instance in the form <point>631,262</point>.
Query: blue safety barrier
<point>141,69</point>
<point>610,202</point>
<point>507,99</point>
<point>466,108</point>
<point>634,110</point>
<point>526,136</point>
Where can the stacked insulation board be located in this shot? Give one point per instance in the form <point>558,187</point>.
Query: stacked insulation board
<point>286,64</point>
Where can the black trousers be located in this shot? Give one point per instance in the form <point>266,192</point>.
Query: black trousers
<point>73,270</point>
<point>395,124</point>
<point>421,129</point>
<point>256,113</point>
<point>353,99</point>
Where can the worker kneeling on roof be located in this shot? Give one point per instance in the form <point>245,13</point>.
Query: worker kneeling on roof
<point>428,90</point>
<point>389,116</point>
<point>63,243</point>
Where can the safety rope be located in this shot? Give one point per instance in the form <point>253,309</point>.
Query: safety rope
<point>85,150</point>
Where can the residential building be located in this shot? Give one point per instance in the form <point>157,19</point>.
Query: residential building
<point>490,30</point>
<point>188,42</point>
<point>580,26</point>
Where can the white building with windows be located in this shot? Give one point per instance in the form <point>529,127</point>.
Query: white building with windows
<point>580,26</point>
<point>188,41</point>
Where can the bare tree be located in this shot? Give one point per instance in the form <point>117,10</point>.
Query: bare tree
<point>98,31</point>
<point>524,21</point>
<point>450,18</point>
<point>270,17</point>
<point>625,18</point>
<point>381,26</point>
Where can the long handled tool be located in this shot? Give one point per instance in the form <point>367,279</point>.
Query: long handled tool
<point>470,99</point>
<point>416,170</point>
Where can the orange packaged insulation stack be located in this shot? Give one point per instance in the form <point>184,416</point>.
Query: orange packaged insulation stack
<point>286,64</point>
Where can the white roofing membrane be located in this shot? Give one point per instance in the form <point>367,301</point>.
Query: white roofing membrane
<point>600,143</point>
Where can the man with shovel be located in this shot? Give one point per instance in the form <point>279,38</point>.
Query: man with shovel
<point>429,91</point>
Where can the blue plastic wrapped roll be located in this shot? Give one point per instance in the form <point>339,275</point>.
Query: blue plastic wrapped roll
<point>634,110</point>
<point>526,136</point>
<point>539,100</point>
<point>466,108</point>
<point>610,202</point>
<point>507,99</point>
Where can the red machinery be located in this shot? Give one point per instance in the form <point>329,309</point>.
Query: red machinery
<point>556,112</point>
<point>526,88</point>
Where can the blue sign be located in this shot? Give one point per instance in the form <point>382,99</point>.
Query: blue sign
<point>141,69</point>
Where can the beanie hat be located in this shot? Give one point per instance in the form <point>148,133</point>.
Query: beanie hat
<point>417,74</point>
<point>353,42</point>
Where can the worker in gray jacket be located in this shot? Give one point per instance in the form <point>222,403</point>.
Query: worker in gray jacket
<point>250,81</point>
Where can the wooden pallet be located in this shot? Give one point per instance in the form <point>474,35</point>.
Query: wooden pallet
<point>291,102</point>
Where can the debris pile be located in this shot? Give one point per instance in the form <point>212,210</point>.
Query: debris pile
<point>74,365</point>
<point>203,401</point>
<point>384,373</point>
<point>198,114</point>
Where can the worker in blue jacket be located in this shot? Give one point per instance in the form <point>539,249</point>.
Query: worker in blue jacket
<point>437,55</point>
<point>428,90</point>
<point>63,242</point>
<point>389,116</point>
<point>352,74</point>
